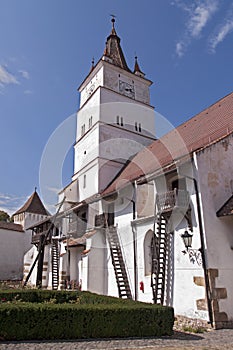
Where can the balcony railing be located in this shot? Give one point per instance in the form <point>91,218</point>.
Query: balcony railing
<point>167,201</point>
<point>36,237</point>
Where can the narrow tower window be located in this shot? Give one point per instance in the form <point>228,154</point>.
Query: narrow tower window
<point>84,181</point>
<point>118,120</point>
<point>136,126</point>
<point>139,127</point>
<point>90,122</point>
<point>83,129</point>
<point>122,121</point>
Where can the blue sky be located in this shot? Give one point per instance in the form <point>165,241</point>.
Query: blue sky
<point>184,47</point>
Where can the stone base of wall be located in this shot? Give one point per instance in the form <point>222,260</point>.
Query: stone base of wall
<point>223,324</point>
<point>183,323</point>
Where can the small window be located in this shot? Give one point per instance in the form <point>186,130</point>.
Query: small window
<point>148,253</point>
<point>84,181</point>
<point>90,122</point>
<point>139,127</point>
<point>118,120</point>
<point>83,129</point>
<point>122,121</point>
<point>136,126</point>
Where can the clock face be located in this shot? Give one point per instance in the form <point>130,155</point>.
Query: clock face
<point>126,89</point>
<point>91,89</point>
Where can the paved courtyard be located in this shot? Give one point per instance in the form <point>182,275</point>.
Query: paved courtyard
<point>214,339</point>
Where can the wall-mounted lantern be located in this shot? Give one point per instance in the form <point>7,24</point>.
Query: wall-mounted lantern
<point>194,254</point>
<point>187,239</point>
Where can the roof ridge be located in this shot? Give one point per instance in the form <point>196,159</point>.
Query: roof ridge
<point>205,128</point>
<point>202,112</point>
<point>33,205</point>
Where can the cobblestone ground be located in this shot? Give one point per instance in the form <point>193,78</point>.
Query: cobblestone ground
<point>214,339</point>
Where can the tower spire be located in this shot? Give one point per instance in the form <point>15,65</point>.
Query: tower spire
<point>113,32</point>
<point>92,64</point>
<point>106,49</point>
<point>137,69</point>
<point>113,52</point>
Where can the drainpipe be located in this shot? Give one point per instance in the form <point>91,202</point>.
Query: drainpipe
<point>134,230</point>
<point>204,264</point>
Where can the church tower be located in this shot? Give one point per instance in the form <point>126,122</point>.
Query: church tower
<point>31,212</point>
<point>115,119</point>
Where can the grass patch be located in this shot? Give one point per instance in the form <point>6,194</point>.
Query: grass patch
<point>191,329</point>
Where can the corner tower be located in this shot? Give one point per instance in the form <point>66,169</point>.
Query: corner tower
<point>115,119</point>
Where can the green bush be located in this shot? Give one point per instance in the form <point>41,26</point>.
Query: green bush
<point>27,321</point>
<point>59,297</point>
<point>45,314</point>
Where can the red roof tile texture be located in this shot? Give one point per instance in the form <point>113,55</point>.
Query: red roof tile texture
<point>33,205</point>
<point>11,226</point>
<point>212,124</point>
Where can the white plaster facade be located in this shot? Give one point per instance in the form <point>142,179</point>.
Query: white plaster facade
<point>196,283</point>
<point>14,245</point>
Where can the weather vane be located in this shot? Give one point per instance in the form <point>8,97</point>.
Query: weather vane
<point>113,19</point>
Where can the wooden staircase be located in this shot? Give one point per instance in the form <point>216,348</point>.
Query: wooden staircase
<point>118,263</point>
<point>159,250</point>
<point>55,264</point>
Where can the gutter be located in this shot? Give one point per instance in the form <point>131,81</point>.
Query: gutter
<point>134,230</point>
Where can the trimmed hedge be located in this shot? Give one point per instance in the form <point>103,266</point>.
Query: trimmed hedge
<point>79,315</point>
<point>59,297</point>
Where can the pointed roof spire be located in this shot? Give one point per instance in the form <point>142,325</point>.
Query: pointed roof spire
<point>92,65</point>
<point>113,48</point>
<point>113,32</point>
<point>106,49</point>
<point>137,69</point>
<point>33,205</point>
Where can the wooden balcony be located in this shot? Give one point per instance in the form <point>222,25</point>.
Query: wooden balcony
<point>168,201</point>
<point>36,237</point>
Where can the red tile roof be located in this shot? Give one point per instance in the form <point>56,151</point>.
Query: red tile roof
<point>212,124</point>
<point>33,205</point>
<point>11,226</point>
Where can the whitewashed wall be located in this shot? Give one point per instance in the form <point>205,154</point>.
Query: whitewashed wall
<point>12,253</point>
<point>215,169</point>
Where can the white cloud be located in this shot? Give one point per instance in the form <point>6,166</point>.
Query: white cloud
<point>180,48</point>
<point>24,74</point>
<point>220,36</point>
<point>225,28</point>
<point>11,203</point>
<point>54,189</point>
<point>28,92</point>
<point>199,14</point>
<point>6,77</point>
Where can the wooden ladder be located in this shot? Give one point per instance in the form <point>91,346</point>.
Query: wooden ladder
<point>159,250</point>
<point>55,264</point>
<point>118,263</point>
